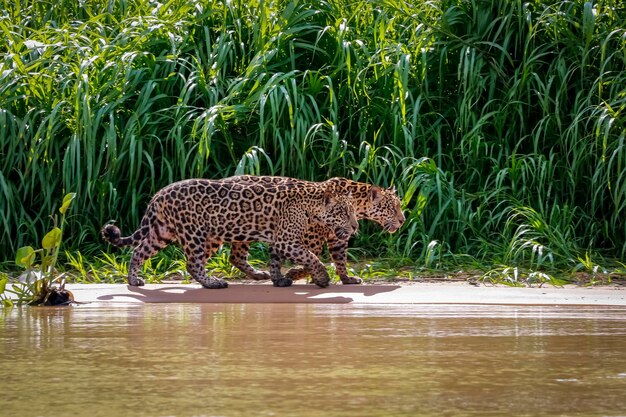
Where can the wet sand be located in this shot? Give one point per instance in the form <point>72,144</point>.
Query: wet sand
<point>414,293</point>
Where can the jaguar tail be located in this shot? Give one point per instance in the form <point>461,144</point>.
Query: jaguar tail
<point>112,234</point>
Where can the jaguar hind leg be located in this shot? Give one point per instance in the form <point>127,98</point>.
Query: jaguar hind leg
<point>296,273</point>
<point>146,249</point>
<point>197,254</point>
<point>239,258</point>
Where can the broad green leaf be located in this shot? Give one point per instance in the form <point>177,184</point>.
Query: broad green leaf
<point>67,200</point>
<point>3,284</point>
<point>25,257</point>
<point>52,239</point>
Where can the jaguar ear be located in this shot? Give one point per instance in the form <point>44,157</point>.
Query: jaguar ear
<point>393,189</point>
<point>375,194</point>
<point>329,198</point>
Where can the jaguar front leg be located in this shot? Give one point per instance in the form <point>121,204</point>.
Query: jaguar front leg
<point>275,269</point>
<point>314,241</point>
<point>299,254</point>
<point>338,252</point>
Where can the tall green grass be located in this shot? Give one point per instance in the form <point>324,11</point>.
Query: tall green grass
<point>500,122</point>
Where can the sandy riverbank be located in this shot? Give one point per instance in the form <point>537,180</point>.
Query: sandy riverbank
<point>419,293</point>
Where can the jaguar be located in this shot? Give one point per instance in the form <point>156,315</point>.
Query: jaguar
<point>202,214</point>
<point>382,205</point>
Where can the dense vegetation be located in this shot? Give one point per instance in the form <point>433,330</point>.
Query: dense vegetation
<point>500,122</point>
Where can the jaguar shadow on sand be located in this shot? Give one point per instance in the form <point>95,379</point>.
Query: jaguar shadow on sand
<point>238,293</point>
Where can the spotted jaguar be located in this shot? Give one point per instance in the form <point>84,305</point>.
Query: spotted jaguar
<point>201,215</point>
<point>369,201</point>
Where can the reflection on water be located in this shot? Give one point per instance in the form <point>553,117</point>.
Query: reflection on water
<point>310,360</point>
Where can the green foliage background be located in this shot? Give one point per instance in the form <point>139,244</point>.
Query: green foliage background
<point>500,122</point>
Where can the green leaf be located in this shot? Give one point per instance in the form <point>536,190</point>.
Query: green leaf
<point>25,257</point>
<point>39,287</point>
<point>67,200</point>
<point>46,261</point>
<point>422,200</point>
<point>3,284</point>
<point>52,239</point>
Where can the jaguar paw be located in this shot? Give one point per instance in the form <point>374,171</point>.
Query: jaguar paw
<point>282,282</point>
<point>351,280</point>
<point>214,283</point>
<point>136,282</point>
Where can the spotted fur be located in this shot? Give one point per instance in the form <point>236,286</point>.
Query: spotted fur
<point>369,202</point>
<point>202,214</point>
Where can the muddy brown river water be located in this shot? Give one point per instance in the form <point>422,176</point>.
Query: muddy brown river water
<point>313,360</point>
